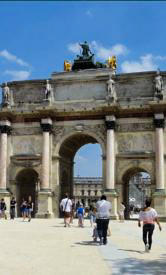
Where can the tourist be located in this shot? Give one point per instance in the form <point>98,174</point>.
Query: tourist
<point>80,215</point>
<point>72,211</point>
<point>66,206</point>
<point>103,214</point>
<point>12,208</point>
<point>23,209</point>
<point>92,215</point>
<point>3,209</point>
<point>121,212</point>
<point>95,233</point>
<point>29,208</point>
<point>148,216</point>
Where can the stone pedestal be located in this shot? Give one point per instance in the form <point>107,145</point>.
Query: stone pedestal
<point>113,198</point>
<point>159,198</point>
<point>45,205</point>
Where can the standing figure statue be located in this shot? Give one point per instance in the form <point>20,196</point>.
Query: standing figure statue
<point>47,90</point>
<point>112,62</point>
<point>158,85</point>
<point>6,94</point>
<point>86,52</point>
<point>67,66</point>
<point>111,92</point>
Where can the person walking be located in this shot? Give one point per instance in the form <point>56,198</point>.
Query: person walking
<point>80,215</point>
<point>23,209</point>
<point>148,216</point>
<point>121,212</point>
<point>12,208</point>
<point>103,214</point>
<point>29,208</point>
<point>92,215</point>
<point>66,206</point>
<point>3,209</point>
<point>72,211</point>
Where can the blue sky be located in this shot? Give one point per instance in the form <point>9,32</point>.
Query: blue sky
<point>36,37</point>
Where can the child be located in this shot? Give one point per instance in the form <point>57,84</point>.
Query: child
<point>95,233</point>
<point>80,215</point>
<point>92,216</point>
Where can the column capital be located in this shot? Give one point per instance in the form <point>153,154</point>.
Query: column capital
<point>159,120</point>
<point>110,122</point>
<point>46,124</point>
<point>5,127</point>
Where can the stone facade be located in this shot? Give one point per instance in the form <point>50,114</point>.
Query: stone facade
<point>40,137</point>
<point>87,190</point>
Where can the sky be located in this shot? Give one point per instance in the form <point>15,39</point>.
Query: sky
<point>36,38</point>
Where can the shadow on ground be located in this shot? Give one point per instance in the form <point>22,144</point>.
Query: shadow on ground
<point>88,243</point>
<point>132,250</point>
<point>130,266</point>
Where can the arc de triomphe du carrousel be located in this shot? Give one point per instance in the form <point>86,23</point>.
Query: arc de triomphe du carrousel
<point>43,123</point>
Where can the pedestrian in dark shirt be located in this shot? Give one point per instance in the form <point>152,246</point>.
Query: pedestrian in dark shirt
<point>12,208</point>
<point>3,209</point>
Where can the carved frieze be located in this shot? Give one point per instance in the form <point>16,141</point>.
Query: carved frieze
<point>135,127</point>
<point>98,129</point>
<point>135,143</point>
<point>26,131</point>
<point>26,161</point>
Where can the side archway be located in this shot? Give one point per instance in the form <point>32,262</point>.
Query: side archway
<point>26,185</point>
<point>136,187</point>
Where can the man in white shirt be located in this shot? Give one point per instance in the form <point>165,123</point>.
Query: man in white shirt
<point>66,207</point>
<point>103,214</point>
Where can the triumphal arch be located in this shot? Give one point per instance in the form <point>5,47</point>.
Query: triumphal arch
<point>43,123</point>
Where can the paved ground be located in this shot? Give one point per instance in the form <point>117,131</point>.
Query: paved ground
<point>45,247</point>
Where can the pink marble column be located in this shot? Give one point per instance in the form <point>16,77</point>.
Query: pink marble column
<point>110,154</point>
<point>159,150</point>
<point>46,125</point>
<point>4,129</point>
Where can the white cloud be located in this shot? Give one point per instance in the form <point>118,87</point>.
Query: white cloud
<point>80,159</point>
<point>18,75</point>
<point>74,48</point>
<point>89,13</point>
<point>146,63</point>
<point>104,53</point>
<point>100,51</point>
<point>159,57</point>
<point>10,57</point>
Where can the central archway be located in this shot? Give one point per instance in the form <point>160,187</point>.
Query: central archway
<point>67,152</point>
<point>27,180</point>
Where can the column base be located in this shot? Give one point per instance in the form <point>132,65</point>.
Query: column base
<point>112,196</point>
<point>159,198</point>
<point>44,205</point>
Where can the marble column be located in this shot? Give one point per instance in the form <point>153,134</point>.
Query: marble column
<point>5,130</point>
<point>110,166</point>
<point>159,151</point>
<point>45,209</point>
<point>46,125</point>
<point>110,154</point>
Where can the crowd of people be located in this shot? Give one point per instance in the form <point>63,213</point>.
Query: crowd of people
<point>26,208</point>
<point>99,216</point>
